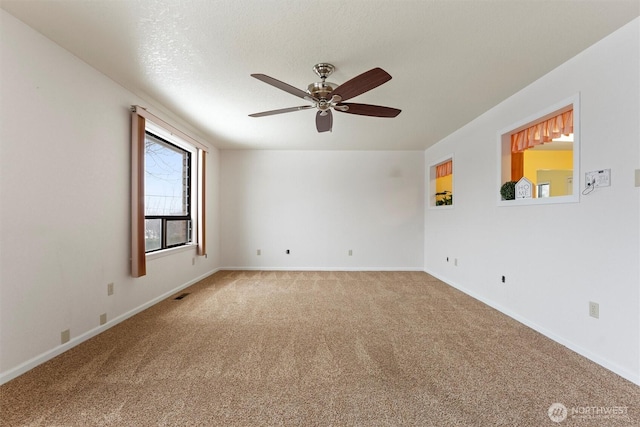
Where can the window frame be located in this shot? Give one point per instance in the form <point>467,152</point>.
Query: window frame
<point>141,121</point>
<point>191,193</point>
<point>504,153</point>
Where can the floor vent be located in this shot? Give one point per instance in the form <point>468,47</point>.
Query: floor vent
<point>182,295</point>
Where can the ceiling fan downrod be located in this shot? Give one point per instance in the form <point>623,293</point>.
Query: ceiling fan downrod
<point>322,90</point>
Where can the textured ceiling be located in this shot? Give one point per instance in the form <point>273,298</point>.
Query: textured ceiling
<point>450,60</point>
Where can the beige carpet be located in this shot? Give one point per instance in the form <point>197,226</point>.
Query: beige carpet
<point>319,348</point>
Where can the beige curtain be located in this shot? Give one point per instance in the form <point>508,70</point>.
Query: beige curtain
<point>202,191</point>
<point>542,132</point>
<point>138,258</point>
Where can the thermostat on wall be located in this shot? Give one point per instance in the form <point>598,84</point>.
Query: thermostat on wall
<point>600,178</point>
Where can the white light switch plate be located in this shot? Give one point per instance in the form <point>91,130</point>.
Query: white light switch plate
<point>594,309</point>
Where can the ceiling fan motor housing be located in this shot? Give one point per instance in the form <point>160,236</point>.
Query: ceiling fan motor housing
<point>321,90</point>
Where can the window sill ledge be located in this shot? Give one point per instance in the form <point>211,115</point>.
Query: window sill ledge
<point>540,201</point>
<point>171,251</point>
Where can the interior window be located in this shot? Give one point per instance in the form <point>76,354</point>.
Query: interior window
<point>441,179</point>
<point>543,154</point>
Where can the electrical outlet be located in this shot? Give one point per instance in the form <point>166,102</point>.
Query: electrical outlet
<point>350,252</point>
<point>600,178</point>
<point>110,289</point>
<point>447,259</point>
<point>103,318</point>
<point>288,252</point>
<point>594,309</point>
<point>259,252</point>
<point>503,279</point>
<point>65,336</point>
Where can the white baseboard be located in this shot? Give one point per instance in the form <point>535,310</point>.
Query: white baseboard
<point>48,355</point>
<point>264,268</point>
<point>613,367</point>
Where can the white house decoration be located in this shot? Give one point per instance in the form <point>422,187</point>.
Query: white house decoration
<point>524,189</point>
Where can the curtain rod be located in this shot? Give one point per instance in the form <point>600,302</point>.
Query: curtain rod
<point>174,131</point>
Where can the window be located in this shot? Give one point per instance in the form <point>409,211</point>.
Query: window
<point>544,151</point>
<point>167,194</point>
<point>441,183</point>
<point>167,189</point>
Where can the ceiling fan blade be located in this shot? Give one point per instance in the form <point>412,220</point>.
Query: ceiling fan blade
<point>324,123</point>
<point>368,110</point>
<point>285,87</point>
<point>362,83</point>
<point>282,110</point>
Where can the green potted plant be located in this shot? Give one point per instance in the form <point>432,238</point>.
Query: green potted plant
<point>446,198</point>
<point>508,190</point>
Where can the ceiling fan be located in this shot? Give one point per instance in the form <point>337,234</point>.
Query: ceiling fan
<point>327,96</point>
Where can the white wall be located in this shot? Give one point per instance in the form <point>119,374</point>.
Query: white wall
<point>556,258</point>
<point>64,213</point>
<point>320,205</point>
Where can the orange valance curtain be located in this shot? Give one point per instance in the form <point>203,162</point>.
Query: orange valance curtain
<point>542,132</point>
<point>444,169</point>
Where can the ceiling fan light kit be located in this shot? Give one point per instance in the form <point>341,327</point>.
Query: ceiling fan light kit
<point>327,96</point>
